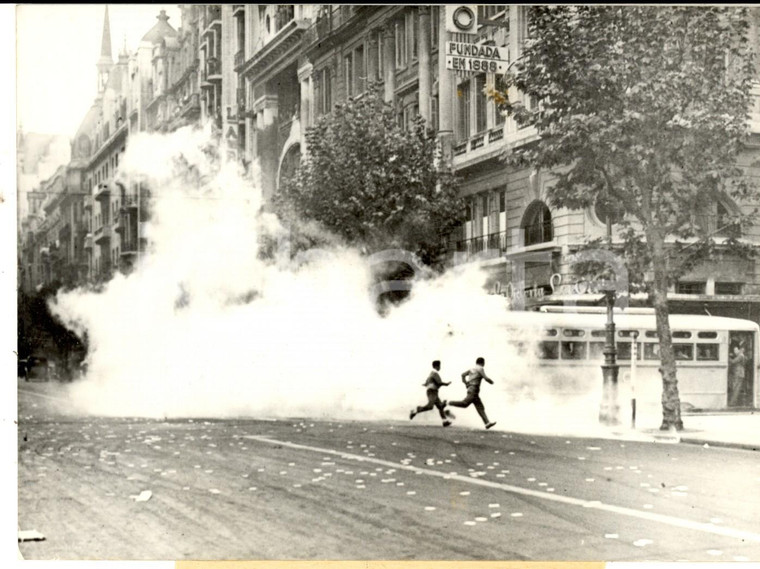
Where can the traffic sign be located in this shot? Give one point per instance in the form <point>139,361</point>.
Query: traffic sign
<point>463,56</point>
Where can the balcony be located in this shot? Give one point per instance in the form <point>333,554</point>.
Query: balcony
<point>102,235</point>
<point>489,246</point>
<point>190,104</point>
<point>87,202</point>
<point>88,241</point>
<point>283,42</point>
<point>482,144</point>
<point>102,191</point>
<point>119,223</point>
<point>214,69</point>
<point>211,18</point>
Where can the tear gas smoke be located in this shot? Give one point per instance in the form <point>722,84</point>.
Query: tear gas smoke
<point>206,327</point>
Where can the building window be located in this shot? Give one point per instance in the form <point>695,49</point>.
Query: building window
<point>348,65</point>
<point>500,85</point>
<point>412,31</point>
<point>400,44</point>
<point>323,91</point>
<point>481,104</point>
<point>380,55</point>
<point>492,11</point>
<point>685,287</point>
<point>360,76</point>
<point>537,224</point>
<point>463,111</point>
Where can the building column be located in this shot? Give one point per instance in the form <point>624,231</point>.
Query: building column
<point>372,56</point>
<point>389,62</point>
<point>307,98</point>
<point>446,88</point>
<point>424,63</point>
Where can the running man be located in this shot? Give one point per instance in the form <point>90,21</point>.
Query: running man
<point>433,383</point>
<point>472,378</point>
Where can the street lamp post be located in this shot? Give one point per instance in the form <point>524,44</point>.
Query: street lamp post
<point>609,409</point>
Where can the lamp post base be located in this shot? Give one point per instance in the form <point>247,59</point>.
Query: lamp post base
<point>609,410</point>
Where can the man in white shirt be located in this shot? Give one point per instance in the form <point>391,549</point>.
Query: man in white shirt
<point>472,378</point>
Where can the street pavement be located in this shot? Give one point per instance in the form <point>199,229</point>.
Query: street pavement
<point>305,488</point>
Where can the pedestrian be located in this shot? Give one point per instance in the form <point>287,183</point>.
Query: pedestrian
<point>472,378</point>
<point>736,376</point>
<point>432,384</point>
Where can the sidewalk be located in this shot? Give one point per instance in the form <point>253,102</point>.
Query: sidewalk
<point>728,429</point>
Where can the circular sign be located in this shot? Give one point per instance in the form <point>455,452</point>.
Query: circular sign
<point>463,17</point>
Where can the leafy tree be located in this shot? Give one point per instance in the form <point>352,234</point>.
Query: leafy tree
<point>643,107</point>
<point>374,183</point>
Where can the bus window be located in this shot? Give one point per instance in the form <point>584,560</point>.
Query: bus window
<point>651,351</point>
<point>681,334</point>
<point>598,333</point>
<point>624,350</point>
<point>684,352</point>
<point>651,333</point>
<point>627,333</point>
<point>708,352</point>
<point>596,350</point>
<point>573,350</point>
<point>548,350</point>
<point>551,332</point>
<point>706,335</point>
<point>573,333</point>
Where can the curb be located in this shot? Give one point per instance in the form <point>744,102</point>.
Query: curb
<point>723,444</point>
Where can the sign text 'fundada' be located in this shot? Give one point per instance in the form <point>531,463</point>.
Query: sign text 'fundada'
<point>463,56</point>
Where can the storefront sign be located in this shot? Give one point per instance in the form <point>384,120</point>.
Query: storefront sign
<point>463,56</point>
<point>556,286</point>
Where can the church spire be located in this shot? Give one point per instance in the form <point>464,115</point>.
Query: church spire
<point>105,63</point>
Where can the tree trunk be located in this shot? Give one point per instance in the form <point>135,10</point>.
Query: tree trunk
<point>658,295</point>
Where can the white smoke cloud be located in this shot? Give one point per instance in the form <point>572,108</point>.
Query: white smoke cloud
<point>206,328</point>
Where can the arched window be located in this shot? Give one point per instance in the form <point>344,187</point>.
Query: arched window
<point>537,224</point>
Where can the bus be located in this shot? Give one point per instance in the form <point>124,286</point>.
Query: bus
<point>568,343</point>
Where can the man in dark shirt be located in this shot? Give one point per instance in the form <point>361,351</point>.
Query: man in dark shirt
<point>433,383</point>
<point>472,378</point>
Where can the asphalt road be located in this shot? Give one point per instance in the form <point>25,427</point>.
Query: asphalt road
<point>319,489</point>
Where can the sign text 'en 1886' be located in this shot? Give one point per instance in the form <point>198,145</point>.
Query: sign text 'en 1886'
<point>462,56</point>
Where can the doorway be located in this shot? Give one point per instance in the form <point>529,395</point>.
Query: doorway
<point>741,369</point>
